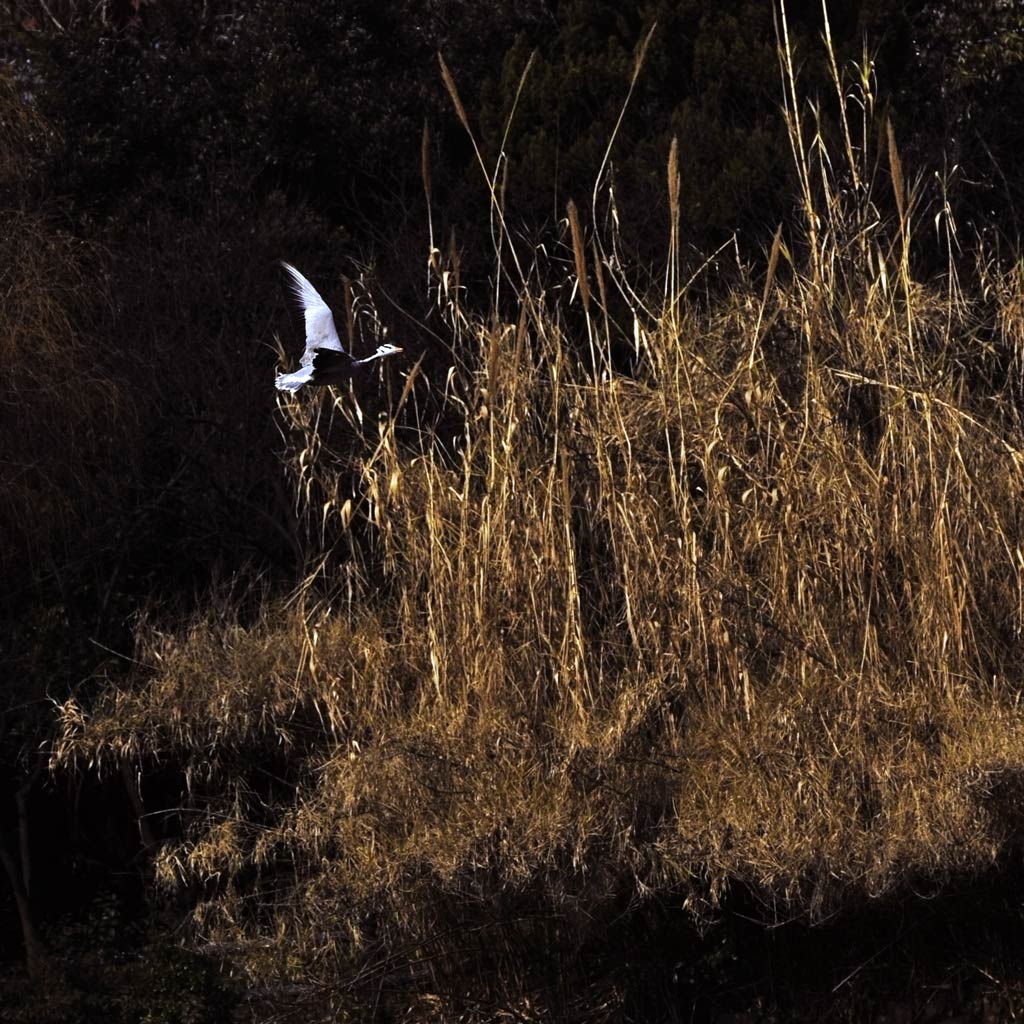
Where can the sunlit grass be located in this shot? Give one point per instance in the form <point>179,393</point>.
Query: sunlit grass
<point>747,609</point>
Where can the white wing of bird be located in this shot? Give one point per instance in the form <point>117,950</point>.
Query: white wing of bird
<point>320,329</point>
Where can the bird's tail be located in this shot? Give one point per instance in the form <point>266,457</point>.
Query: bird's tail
<point>293,381</point>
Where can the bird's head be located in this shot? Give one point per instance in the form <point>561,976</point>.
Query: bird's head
<point>383,351</point>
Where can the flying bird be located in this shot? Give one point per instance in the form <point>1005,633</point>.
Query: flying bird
<point>325,360</point>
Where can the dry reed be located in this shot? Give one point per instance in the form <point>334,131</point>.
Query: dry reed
<point>752,615</point>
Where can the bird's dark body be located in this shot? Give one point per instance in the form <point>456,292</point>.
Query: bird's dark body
<point>331,367</point>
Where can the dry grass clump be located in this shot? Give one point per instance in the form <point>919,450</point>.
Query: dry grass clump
<point>751,612</point>
<point>660,633</point>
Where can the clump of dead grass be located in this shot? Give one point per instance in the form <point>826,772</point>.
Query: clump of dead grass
<point>749,613</point>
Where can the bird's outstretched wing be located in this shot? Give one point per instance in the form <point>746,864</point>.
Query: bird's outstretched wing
<point>320,329</point>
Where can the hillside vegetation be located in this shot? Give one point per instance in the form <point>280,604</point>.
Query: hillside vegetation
<point>653,594</point>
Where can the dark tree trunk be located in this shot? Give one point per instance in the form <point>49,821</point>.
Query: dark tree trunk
<point>35,956</point>
<point>131,784</point>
